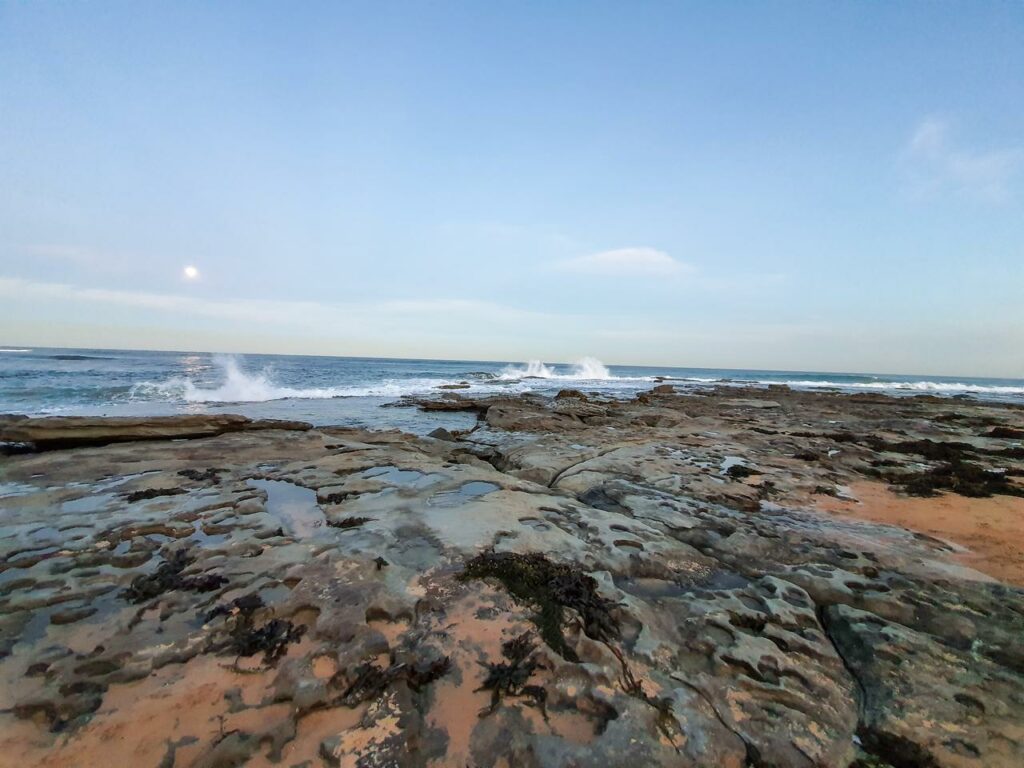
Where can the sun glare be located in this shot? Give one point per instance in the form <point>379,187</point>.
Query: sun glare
<point>191,273</point>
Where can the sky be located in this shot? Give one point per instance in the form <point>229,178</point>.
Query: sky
<point>783,185</point>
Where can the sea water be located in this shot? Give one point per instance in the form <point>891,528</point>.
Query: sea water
<point>350,390</point>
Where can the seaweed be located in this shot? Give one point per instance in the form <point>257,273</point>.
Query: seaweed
<point>960,477</point>
<point>272,639</point>
<point>336,498</point>
<point>836,437</point>
<point>1008,433</point>
<point>212,474</point>
<point>152,493</point>
<point>741,471</point>
<point>551,587</point>
<point>511,678</point>
<point>349,522</point>
<point>807,455</point>
<point>954,472</point>
<point>170,576</point>
<point>930,449</point>
<point>370,680</point>
<point>246,639</point>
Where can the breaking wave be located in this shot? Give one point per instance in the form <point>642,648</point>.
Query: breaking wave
<point>231,384</point>
<point>933,387</point>
<point>586,369</point>
<point>238,387</point>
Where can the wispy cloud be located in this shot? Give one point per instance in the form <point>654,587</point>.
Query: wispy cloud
<point>279,312</point>
<point>64,253</point>
<point>625,262</point>
<point>935,163</point>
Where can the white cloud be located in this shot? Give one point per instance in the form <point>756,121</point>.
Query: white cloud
<point>380,314</point>
<point>935,163</point>
<point>62,314</point>
<point>639,261</point>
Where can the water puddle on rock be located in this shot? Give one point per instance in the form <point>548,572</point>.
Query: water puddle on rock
<point>8,490</point>
<point>400,478</point>
<point>462,494</point>
<point>293,505</point>
<point>87,504</point>
<point>728,462</point>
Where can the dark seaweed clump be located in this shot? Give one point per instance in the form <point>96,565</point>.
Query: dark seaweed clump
<point>370,681</point>
<point>955,473</point>
<point>246,639</point>
<point>348,522</point>
<point>212,474</point>
<point>807,455</point>
<point>170,576</point>
<point>511,678</point>
<point>551,587</point>
<point>152,493</point>
<point>1008,433</point>
<point>740,471</point>
<point>930,449</point>
<point>960,477</point>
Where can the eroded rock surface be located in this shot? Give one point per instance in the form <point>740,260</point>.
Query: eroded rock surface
<point>52,432</point>
<point>577,581</point>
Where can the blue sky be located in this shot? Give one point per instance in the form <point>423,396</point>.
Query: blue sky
<point>830,186</point>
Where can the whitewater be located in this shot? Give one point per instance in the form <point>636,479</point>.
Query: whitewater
<point>333,390</point>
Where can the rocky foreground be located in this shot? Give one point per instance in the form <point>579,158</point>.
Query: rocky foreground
<point>682,580</point>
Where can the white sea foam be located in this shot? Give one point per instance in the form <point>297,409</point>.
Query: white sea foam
<point>238,387</point>
<point>585,369</point>
<point>15,350</point>
<point>935,387</point>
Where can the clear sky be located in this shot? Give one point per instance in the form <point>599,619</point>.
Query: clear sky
<point>826,186</point>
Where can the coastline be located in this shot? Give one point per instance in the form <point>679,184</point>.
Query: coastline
<point>730,578</point>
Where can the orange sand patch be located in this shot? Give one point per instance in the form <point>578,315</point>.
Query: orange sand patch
<point>137,719</point>
<point>457,705</point>
<point>991,529</point>
<point>310,732</point>
<point>182,703</point>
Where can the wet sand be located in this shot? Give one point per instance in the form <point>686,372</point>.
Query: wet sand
<point>990,530</point>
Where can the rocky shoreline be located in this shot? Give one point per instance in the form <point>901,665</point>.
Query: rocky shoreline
<point>728,577</point>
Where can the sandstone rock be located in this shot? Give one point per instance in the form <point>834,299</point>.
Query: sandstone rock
<point>570,393</point>
<point>52,432</point>
<point>925,703</point>
<point>716,621</point>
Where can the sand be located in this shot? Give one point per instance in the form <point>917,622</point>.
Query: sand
<point>990,530</point>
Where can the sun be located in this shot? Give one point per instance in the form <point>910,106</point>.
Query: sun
<point>191,273</point>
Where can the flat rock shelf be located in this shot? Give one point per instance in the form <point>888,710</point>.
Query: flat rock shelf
<point>729,577</point>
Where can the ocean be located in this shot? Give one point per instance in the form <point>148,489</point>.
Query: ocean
<point>350,390</point>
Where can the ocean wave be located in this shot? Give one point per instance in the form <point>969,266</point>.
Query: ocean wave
<point>235,385</point>
<point>15,350</point>
<point>238,387</point>
<point>934,387</point>
<point>585,369</point>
